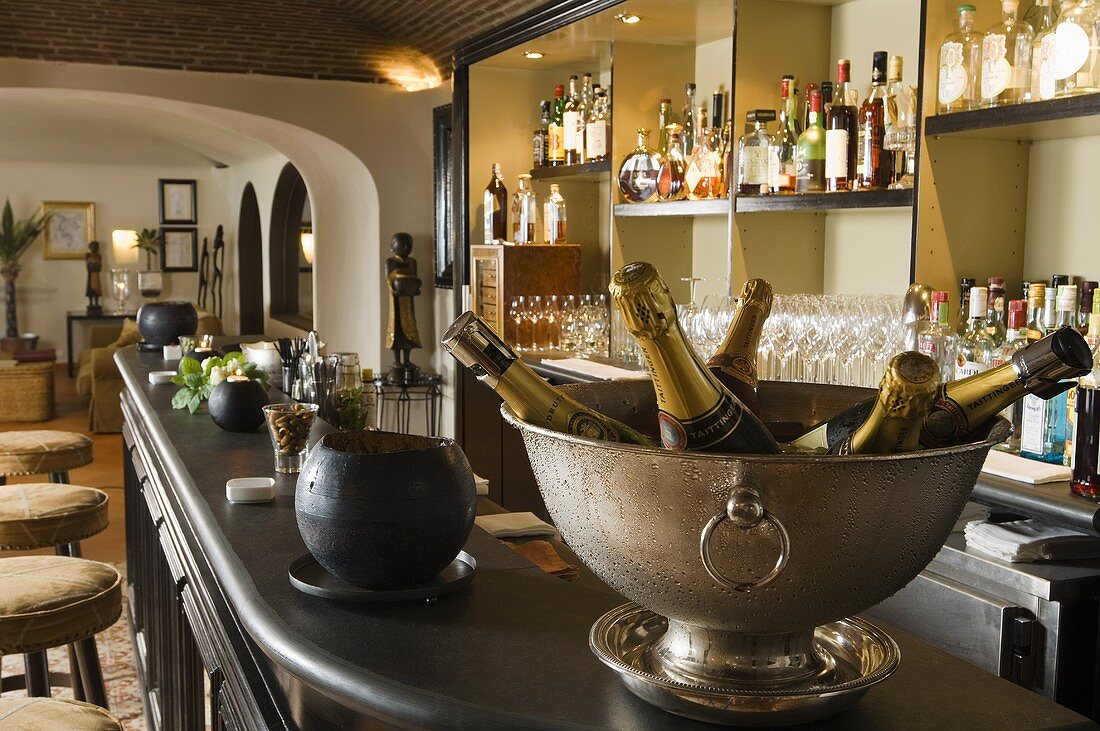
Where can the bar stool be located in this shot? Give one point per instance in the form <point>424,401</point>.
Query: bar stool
<point>49,601</point>
<point>43,452</point>
<point>52,714</point>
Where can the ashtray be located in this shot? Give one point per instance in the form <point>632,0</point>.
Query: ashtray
<point>250,489</point>
<point>159,378</point>
<point>310,577</point>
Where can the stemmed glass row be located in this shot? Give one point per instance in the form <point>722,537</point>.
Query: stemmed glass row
<point>574,324</point>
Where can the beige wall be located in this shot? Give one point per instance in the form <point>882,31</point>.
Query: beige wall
<point>125,197</point>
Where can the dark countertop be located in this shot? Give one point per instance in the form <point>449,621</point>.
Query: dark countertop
<point>510,651</point>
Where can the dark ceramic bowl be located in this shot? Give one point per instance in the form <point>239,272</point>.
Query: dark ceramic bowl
<point>162,323</point>
<point>238,406</point>
<point>380,510</point>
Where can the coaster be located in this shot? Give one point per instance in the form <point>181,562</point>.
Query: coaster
<point>310,577</point>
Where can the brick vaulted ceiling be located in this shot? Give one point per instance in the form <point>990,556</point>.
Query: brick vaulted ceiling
<point>383,41</point>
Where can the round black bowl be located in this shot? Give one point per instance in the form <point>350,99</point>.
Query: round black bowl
<point>379,509</point>
<point>162,323</point>
<point>238,405</point>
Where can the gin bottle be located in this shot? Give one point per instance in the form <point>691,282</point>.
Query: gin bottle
<point>752,154</point>
<point>960,65</point>
<point>1077,50</point>
<point>1006,58</point>
<point>1044,424</point>
<point>975,345</point>
<point>939,342</point>
<point>524,212</point>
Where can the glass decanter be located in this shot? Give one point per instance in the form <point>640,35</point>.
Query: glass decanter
<point>1077,50</point>
<point>553,216</point>
<point>1041,19</point>
<point>524,212</point>
<point>670,176</point>
<point>638,172</point>
<point>701,177</point>
<point>1006,58</point>
<point>961,65</point>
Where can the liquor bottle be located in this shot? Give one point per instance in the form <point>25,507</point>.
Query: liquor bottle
<point>553,217</point>
<point>734,362</point>
<point>875,164</point>
<point>1015,339</point>
<point>717,109</point>
<point>1044,423</point>
<point>1086,440</point>
<point>1006,58</point>
<point>826,99</point>
<point>794,109</point>
<point>939,342</point>
<point>975,345</point>
<point>1050,311</point>
<point>687,136</point>
<point>897,98</point>
<point>752,153</point>
<point>572,123</point>
<point>725,152</point>
<point>894,424</point>
<point>638,172</point>
<point>701,178</point>
<point>960,77</point>
<point>474,344</point>
<point>670,176</point>
<point>1076,61</point>
<point>556,137</point>
<point>1041,16</point>
<point>965,285</point>
<point>995,316</point>
<point>963,406</point>
<point>804,110</point>
<point>810,153</point>
<point>588,97</point>
<point>781,155</point>
<point>540,142</point>
<point>1085,308</point>
<point>695,411</point>
<point>664,118</point>
<point>495,204</point>
<point>595,130</point>
<point>1036,300</point>
<point>1057,280</point>
<point>524,212</point>
<point>841,133</point>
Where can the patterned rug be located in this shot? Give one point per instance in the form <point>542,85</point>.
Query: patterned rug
<point>116,655</point>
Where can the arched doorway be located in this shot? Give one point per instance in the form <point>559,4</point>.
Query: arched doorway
<point>250,264</point>
<point>291,260</point>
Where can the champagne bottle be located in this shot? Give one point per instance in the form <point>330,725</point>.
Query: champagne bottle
<point>696,411</point>
<point>474,344</point>
<point>962,406</point>
<point>894,424</point>
<point>734,363</point>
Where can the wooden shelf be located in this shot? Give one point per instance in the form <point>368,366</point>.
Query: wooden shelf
<point>588,172</point>
<point>859,200</point>
<point>715,207</point>
<point>1075,116</point>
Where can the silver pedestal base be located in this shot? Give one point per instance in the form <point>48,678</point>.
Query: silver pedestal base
<point>799,683</point>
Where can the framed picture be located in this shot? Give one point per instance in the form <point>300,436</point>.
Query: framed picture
<point>177,202</point>
<point>179,250</point>
<point>70,229</point>
<point>443,161</point>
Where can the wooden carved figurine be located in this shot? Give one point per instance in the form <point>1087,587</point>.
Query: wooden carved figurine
<point>218,260</point>
<point>204,273</point>
<point>93,290</point>
<point>401,333</point>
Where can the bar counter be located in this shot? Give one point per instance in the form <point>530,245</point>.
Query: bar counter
<point>211,607</point>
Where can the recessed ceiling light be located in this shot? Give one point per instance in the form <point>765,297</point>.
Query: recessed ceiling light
<point>628,18</point>
<point>533,54</point>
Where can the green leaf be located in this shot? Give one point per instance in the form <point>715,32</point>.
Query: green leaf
<point>180,399</point>
<point>190,365</point>
<point>193,403</point>
<point>235,355</point>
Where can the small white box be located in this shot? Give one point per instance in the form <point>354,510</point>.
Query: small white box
<point>250,489</point>
<point>172,352</point>
<point>161,377</point>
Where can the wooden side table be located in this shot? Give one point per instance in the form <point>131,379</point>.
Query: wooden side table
<point>73,315</point>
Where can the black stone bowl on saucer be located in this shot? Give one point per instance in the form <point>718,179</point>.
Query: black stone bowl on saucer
<point>162,323</point>
<point>238,405</point>
<point>385,510</point>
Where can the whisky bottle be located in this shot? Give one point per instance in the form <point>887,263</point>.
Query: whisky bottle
<point>841,133</point>
<point>540,140</point>
<point>810,152</point>
<point>555,154</point>
<point>894,424</point>
<point>695,411</point>
<point>734,363</point>
<point>495,203</point>
<point>474,344</point>
<point>875,164</point>
<point>571,122</point>
<point>962,406</point>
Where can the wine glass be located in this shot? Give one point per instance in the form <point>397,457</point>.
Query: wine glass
<point>516,317</point>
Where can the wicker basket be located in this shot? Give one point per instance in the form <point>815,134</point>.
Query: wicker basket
<point>26,392</point>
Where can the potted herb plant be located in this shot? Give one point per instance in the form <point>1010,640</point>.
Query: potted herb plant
<point>150,281</point>
<point>15,238</point>
<point>235,390</point>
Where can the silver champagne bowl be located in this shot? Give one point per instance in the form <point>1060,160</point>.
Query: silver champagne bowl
<point>747,569</point>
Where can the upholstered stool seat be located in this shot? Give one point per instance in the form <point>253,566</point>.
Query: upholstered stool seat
<point>43,514</point>
<point>42,451</point>
<point>46,601</point>
<point>50,714</point>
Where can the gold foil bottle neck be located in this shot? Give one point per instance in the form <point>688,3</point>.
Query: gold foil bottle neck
<point>1036,294</point>
<point>643,299</point>
<point>758,293</point>
<point>909,382</point>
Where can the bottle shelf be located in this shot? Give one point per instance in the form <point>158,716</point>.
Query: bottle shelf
<point>682,209</point>
<point>587,172</point>
<point>824,201</point>
<point>1053,119</point>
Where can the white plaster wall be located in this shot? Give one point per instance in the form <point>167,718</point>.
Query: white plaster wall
<point>125,197</point>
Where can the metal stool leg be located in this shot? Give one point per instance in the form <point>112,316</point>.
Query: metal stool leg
<point>91,675</point>
<point>3,479</point>
<point>38,674</point>
<point>73,550</point>
<point>60,477</point>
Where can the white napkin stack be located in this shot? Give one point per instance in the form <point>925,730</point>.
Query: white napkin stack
<point>1029,540</point>
<point>515,525</point>
<point>1022,469</point>
<point>482,484</point>
<point>597,370</point>
<point>971,512</point>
